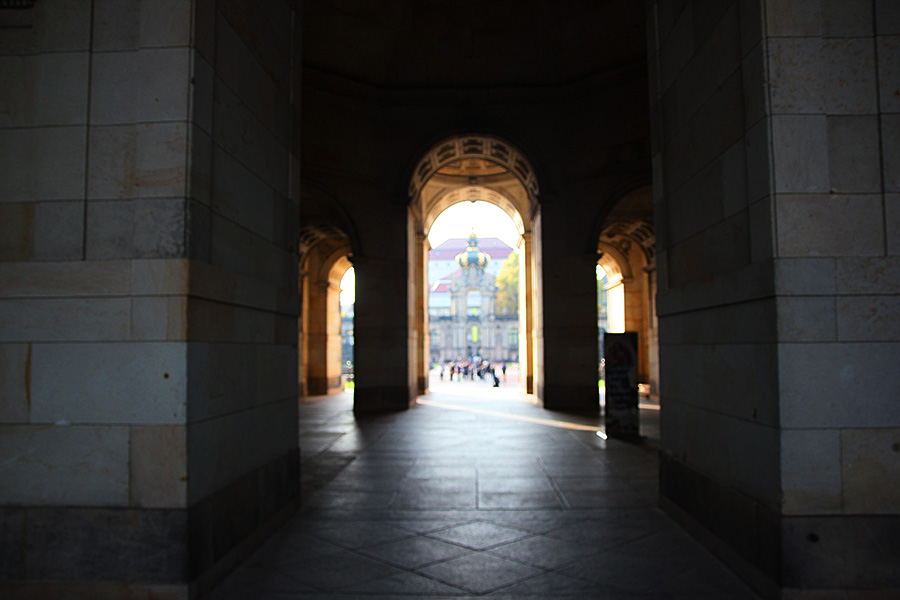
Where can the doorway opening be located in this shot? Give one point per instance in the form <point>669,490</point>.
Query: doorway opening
<point>626,284</point>
<point>463,324</point>
<point>347,300</point>
<point>324,263</point>
<point>473,296</point>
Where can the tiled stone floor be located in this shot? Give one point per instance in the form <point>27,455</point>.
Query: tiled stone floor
<point>476,495</point>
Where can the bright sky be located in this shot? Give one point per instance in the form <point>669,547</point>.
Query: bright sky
<point>487,219</point>
<point>456,222</point>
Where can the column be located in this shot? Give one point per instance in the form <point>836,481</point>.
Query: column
<point>526,314</point>
<point>421,286</point>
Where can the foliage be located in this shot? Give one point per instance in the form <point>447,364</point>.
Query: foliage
<point>508,286</point>
<point>601,292</point>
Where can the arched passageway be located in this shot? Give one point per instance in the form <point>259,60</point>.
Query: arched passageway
<point>324,258</point>
<point>473,295</point>
<point>626,253</point>
<point>473,168</point>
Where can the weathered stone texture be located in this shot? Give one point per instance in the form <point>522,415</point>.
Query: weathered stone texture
<point>63,465</point>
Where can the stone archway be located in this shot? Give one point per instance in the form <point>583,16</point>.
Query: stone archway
<point>626,252</point>
<point>476,167</point>
<point>324,259</point>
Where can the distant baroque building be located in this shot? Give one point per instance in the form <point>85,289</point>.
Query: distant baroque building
<point>462,305</point>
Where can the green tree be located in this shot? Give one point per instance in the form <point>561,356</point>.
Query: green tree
<point>508,285</point>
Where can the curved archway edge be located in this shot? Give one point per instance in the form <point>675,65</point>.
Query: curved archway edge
<point>519,199</point>
<point>487,147</point>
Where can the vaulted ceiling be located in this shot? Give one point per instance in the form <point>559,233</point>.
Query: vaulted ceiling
<point>471,43</point>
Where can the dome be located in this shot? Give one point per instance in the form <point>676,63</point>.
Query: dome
<point>472,257</point>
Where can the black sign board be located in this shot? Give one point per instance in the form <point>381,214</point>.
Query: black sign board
<point>621,375</point>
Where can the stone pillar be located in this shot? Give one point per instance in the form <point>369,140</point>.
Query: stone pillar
<point>303,325</point>
<point>384,367</point>
<point>536,331</point>
<point>775,203</point>
<point>569,316</point>
<point>421,286</point>
<point>526,313</point>
<point>147,311</point>
<point>324,339</point>
<point>652,335</point>
<point>637,316</point>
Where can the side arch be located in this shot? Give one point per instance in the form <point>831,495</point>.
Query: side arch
<point>625,244</point>
<point>325,257</point>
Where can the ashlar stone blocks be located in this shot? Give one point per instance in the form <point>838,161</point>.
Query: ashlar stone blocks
<point>114,324</point>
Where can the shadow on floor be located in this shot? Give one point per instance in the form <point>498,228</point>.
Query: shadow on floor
<point>476,494</point>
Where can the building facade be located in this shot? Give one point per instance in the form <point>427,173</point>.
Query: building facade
<point>464,322</point>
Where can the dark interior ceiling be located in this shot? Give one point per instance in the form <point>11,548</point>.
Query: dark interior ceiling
<point>401,44</point>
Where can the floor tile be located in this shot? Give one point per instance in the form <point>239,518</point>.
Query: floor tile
<point>351,499</point>
<point>626,573</point>
<point>480,573</point>
<point>510,469</point>
<point>438,485</point>
<point>607,499</point>
<point>514,484</point>
<point>346,482</point>
<point>413,553</point>
<point>479,535</point>
<point>550,585</point>
<point>544,552</point>
<point>517,500</point>
<point>602,534</point>
<point>466,472</point>
<point>360,534</point>
<point>407,584</point>
<point>252,581</point>
<point>425,525</point>
<point>435,499</point>
<point>293,548</point>
<point>339,571</point>
<point>592,484</point>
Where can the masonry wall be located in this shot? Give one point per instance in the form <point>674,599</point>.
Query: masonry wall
<point>133,286</point>
<point>242,406</point>
<point>771,166</point>
<point>95,130</point>
<point>834,104</point>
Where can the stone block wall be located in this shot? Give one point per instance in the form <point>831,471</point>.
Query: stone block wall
<point>94,296</point>
<point>772,155</point>
<point>137,276</point>
<point>835,95</point>
<point>720,461</point>
<point>718,378</point>
<point>242,403</point>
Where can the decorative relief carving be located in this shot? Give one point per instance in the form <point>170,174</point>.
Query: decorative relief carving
<point>621,234</point>
<point>482,147</point>
<point>311,235</point>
